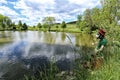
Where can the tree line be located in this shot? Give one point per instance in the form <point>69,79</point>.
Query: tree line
<point>49,22</point>
<point>7,24</point>
<point>90,20</point>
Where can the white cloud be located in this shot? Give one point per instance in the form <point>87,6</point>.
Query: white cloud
<point>44,2</point>
<point>80,2</point>
<point>20,5</point>
<point>8,12</point>
<point>86,3</point>
<point>33,11</point>
<point>3,2</point>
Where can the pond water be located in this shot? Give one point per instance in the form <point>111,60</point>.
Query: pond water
<point>21,52</point>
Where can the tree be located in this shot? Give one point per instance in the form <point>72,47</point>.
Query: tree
<point>13,26</point>
<point>79,19</point>
<point>8,23</point>
<point>3,26</point>
<point>63,25</point>
<point>95,18</point>
<point>39,25</point>
<point>24,27</point>
<point>45,25</point>
<point>110,9</point>
<point>1,20</point>
<point>82,25</point>
<point>20,25</point>
<point>57,26</point>
<point>88,19</point>
<point>49,21</point>
<point>34,26</point>
<point>5,22</point>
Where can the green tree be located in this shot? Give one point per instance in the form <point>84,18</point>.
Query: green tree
<point>82,25</point>
<point>5,22</point>
<point>57,26</point>
<point>95,18</point>
<point>34,26</point>
<point>8,23</point>
<point>49,21</point>
<point>88,19</point>
<point>13,26</point>
<point>110,10</point>
<point>79,19</point>
<point>63,25</point>
<point>39,25</point>
<point>19,24</point>
<point>1,21</point>
<point>24,27</point>
<point>3,26</point>
<point>45,25</point>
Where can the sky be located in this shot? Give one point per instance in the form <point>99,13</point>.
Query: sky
<point>33,11</point>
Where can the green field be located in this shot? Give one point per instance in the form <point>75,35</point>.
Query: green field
<point>70,28</point>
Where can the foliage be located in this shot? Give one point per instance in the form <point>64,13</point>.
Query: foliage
<point>63,25</point>
<point>87,17</point>
<point>39,25</point>
<point>24,27</point>
<point>102,17</point>
<point>79,19</point>
<point>5,22</point>
<point>49,21</point>
<point>96,17</point>
<point>45,25</point>
<point>82,25</point>
<point>20,25</point>
<point>13,26</point>
<point>57,26</point>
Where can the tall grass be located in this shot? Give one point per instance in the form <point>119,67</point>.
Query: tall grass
<point>109,70</point>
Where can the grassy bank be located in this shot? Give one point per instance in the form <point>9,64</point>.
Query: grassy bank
<point>109,70</point>
<point>76,30</point>
<point>70,28</point>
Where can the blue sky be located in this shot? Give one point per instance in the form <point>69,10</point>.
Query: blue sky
<point>33,11</point>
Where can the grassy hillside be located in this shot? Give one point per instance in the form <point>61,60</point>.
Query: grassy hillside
<point>71,27</point>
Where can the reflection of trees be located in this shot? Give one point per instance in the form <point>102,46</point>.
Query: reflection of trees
<point>49,38</point>
<point>63,36</point>
<point>3,35</point>
<point>21,34</point>
<point>77,39</point>
<point>6,36</point>
<point>85,40</point>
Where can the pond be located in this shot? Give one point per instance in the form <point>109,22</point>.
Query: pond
<point>21,52</point>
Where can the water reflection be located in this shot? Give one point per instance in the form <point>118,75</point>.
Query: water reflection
<point>63,36</point>
<point>29,51</point>
<point>45,37</point>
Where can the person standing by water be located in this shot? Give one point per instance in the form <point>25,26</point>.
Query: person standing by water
<point>98,57</point>
<point>102,42</point>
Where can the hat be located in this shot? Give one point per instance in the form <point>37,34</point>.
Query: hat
<point>102,32</point>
